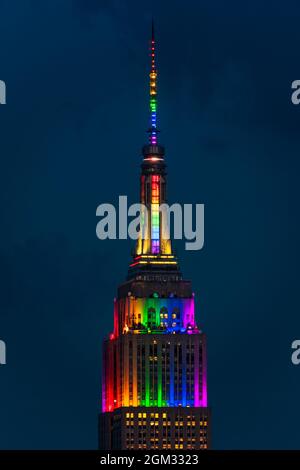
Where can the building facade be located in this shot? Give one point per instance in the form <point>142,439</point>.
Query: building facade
<point>154,378</point>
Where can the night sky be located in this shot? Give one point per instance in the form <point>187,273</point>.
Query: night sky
<point>70,139</point>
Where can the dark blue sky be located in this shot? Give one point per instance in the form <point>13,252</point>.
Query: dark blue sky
<point>70,139</point>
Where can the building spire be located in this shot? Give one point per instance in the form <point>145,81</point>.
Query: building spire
<point>153,131</point>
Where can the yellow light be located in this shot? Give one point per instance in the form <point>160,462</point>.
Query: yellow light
<point>156,262</point>
<point>163,262</point>
<point>156,256</point>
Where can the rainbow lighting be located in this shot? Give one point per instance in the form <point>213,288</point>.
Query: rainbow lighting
<point>155,214</point>
<point>153,94</point>
<point>155,356</point>
<point>154,315</point>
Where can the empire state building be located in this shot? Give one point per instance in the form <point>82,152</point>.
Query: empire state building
<point>154,377</point>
